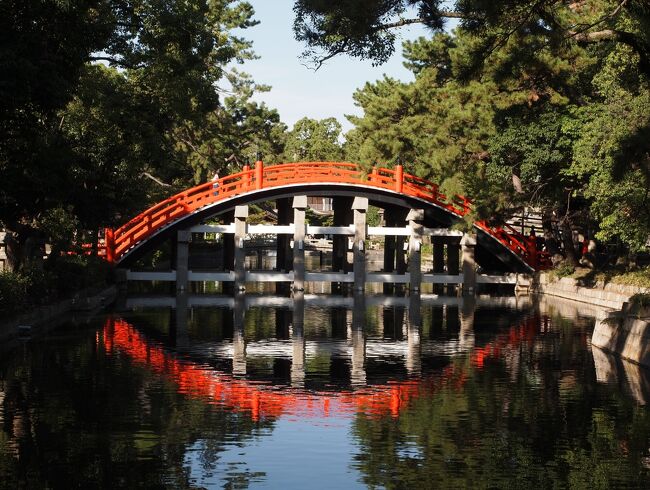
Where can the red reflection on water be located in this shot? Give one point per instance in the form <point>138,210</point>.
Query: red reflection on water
<point>266,401</point>
<point>525,332</point>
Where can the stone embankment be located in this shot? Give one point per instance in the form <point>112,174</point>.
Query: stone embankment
<point>622,327</point>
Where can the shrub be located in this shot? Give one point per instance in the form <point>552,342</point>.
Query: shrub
<point>14,294</point>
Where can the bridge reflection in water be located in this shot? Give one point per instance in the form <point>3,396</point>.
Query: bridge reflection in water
<point>190,364</point>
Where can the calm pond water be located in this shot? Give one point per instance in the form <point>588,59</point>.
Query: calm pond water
<point>323,391</point>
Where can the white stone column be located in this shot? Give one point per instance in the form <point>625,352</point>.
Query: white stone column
<point>299,207</point>
<point>241,215</point>
<point>360,209</point>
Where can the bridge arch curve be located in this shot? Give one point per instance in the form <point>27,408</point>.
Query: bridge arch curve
<point>500,247</point>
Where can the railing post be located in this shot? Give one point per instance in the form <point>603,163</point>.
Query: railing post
<point>109,243</point>
<point>247,177</point>
<point>399,178</point>
<point>259,174</point>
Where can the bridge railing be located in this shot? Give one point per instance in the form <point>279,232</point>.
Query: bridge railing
<point>249,179</point>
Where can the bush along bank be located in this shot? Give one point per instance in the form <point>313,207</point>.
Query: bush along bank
<point>37,295</point>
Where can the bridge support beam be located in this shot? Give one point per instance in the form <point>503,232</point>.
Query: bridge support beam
<point>466,333</point>
<point>238,338</point>
<point>394,245</point>
<point>183,239</point>
<point>415,219</point>
<point>299,207</point>
<point>298,340</point>
<point>358,337</point>
<point>468,244</point>
<point>360,209</point>
<point>178,323</point>
<point>438,244</point>
<point>241,215</point>
<point>284,261</point>
<point>453,260</point>
<point>342,217</point>
<point>228,240</point>
<point>414,352</point>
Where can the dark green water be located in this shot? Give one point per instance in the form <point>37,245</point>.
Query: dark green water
<point>322,393</point>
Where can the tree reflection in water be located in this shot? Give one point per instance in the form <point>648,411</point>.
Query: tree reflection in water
<point>432,395</point>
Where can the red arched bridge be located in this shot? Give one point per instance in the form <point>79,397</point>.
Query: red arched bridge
<point>382,186</point>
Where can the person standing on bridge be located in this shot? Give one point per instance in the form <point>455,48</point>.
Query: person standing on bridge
<point>215,182</point>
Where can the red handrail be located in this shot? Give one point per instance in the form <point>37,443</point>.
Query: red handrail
<point>147,223</point>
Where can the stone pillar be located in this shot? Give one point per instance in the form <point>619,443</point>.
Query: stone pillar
<point>400,255</point>
<point>180,315</point>
<point>283,319</point>
<point>415,218</point>
<point>358,372</point>
<point>438,245</point>
<point>284,255</point>
<point>413,353</point>
<point>453,260</point>
<point>122,285</point>
<point>466,334</point>
<point>183,239</point>
<point>342,217</point>
<point>437,321</point>
<point>393,322</point>
<point>228,253</point>
<point>468,244</point>
<point>298,340</point>
<point>238,339</point>
<point>360,209</point>
<point>285,215</point>
<point>241,214</point>
<point>394,246</point>
<point>299,207</point>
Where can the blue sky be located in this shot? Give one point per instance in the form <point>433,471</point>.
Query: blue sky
<point>298,91</point>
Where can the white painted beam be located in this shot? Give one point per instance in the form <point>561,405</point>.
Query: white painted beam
<point>213,228</point>
<point>270,229</point>
<point>226,276</point>
<point>442,279</point>
<point>330,230</point>
<point>150,276</point>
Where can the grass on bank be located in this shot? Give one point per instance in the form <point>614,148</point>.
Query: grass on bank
<point>637,278</point>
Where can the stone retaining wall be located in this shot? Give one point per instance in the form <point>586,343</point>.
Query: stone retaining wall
<point>613,296</point>
<point>621,328</point>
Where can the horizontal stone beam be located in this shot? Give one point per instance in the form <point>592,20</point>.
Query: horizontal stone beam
<point>330,230</point>
<point>442,278</point>
<point>213,228</point>
<point>150,276</point>
<point>493,279</point>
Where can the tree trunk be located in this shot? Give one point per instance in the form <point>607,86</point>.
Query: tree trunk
<point>550,236</point>
<point>570,252</point>
<point>23,246</point>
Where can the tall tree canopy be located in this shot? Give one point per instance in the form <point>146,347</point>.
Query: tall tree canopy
<point>514,108</point>
<point>366,28</point>
<point>106,105</point>
<point>314,140</point>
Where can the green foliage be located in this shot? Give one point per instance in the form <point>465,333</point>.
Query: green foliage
<point>60,278</point>
<point>640,278</point>
<point>313,141</point>
<point>527,104</point>
<point>563,269</point>
<point>13,292</point>
<point>99,142</point>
